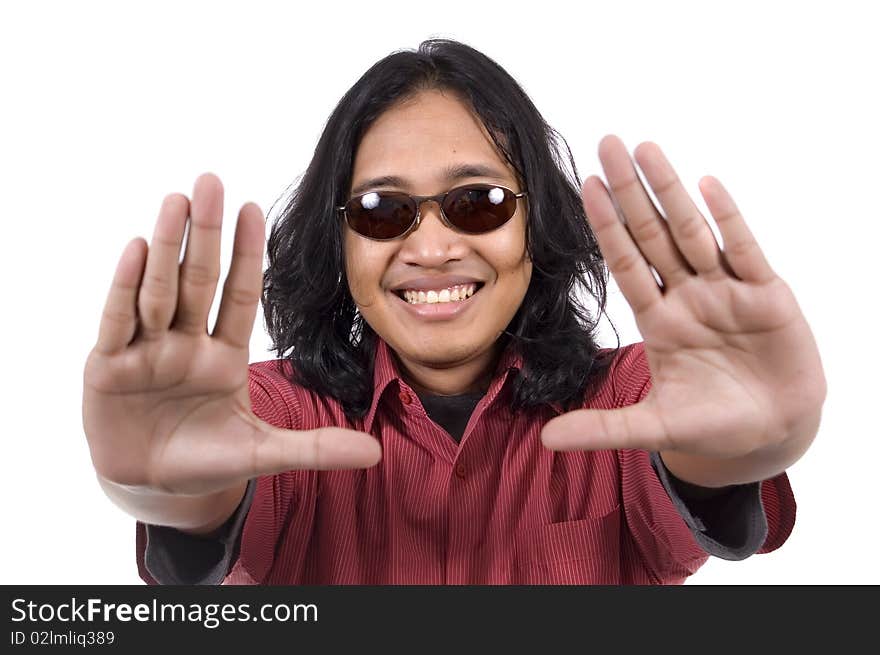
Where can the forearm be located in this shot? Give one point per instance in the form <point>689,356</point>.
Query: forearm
<point>760,464</point>
<point>197,515</point>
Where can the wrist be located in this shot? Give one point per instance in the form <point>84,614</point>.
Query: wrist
<point>192,514</point>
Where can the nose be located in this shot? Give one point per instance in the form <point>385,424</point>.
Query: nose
<point>429,208</point>
<point>431,243</point>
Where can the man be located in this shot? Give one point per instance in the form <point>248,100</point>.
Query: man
<point>440,412</point>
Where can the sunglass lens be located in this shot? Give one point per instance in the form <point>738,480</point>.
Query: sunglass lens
<point>479,209</point>
<point>384,216</point>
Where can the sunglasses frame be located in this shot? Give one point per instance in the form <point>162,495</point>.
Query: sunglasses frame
<point>439,199</point>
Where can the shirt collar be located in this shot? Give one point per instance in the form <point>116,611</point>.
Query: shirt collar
<point>385,372</point>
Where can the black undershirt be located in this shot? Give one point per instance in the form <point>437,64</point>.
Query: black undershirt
<point>452,413</point>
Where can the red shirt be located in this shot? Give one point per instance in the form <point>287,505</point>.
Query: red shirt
<point>498,508</point>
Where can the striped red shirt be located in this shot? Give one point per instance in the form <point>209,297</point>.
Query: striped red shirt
<point>496,508</point>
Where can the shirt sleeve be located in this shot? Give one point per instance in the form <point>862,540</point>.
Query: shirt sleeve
<point>729,523</point>
<point>173,557</point>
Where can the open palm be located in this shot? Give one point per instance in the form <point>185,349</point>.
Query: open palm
<point>734,366</point>
<point>166,404</point>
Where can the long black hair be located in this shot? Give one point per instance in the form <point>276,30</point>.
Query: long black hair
<point>309,311</point>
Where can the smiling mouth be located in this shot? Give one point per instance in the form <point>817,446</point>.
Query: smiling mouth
<point>449,296</point>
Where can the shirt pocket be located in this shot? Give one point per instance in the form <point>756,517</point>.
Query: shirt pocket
<point>586,551</point>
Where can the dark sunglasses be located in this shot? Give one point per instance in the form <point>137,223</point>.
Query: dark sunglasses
<point>472,209</point>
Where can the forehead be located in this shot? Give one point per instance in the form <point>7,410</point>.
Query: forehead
<point>422,136</point>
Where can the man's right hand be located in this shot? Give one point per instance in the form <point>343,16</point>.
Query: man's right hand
<point>166,407</point>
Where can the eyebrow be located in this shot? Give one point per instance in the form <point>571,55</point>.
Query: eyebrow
<point>449,174</point>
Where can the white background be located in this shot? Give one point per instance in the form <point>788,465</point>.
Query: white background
<point>105,109</point>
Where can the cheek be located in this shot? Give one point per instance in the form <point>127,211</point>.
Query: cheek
<point>364,266</point>
<point>510,257</point>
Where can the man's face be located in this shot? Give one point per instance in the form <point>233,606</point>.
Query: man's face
<point>416,141</point>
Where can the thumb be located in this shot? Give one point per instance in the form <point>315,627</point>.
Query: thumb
<point>276,449</point>
<point>634,426</point>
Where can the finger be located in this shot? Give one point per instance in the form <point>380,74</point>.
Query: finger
<point>630,270</point>
<point>157,297</point>
<point>691,232</point>
<point>119,319</point>
<point>277,450</point>
<point>201,263</point>
<point>646,225</point>
<point>244,284</point>
<point>741,250</point>
<point>635,426</point>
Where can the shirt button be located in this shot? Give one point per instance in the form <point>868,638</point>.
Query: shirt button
<point>461,471</point>
<point>405,398</point>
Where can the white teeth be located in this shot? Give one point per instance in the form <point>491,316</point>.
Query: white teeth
<point>451,294</point>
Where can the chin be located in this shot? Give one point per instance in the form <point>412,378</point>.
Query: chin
<point>445,351</point>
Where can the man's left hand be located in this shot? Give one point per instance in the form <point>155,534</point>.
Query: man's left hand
<point>737,381</point>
